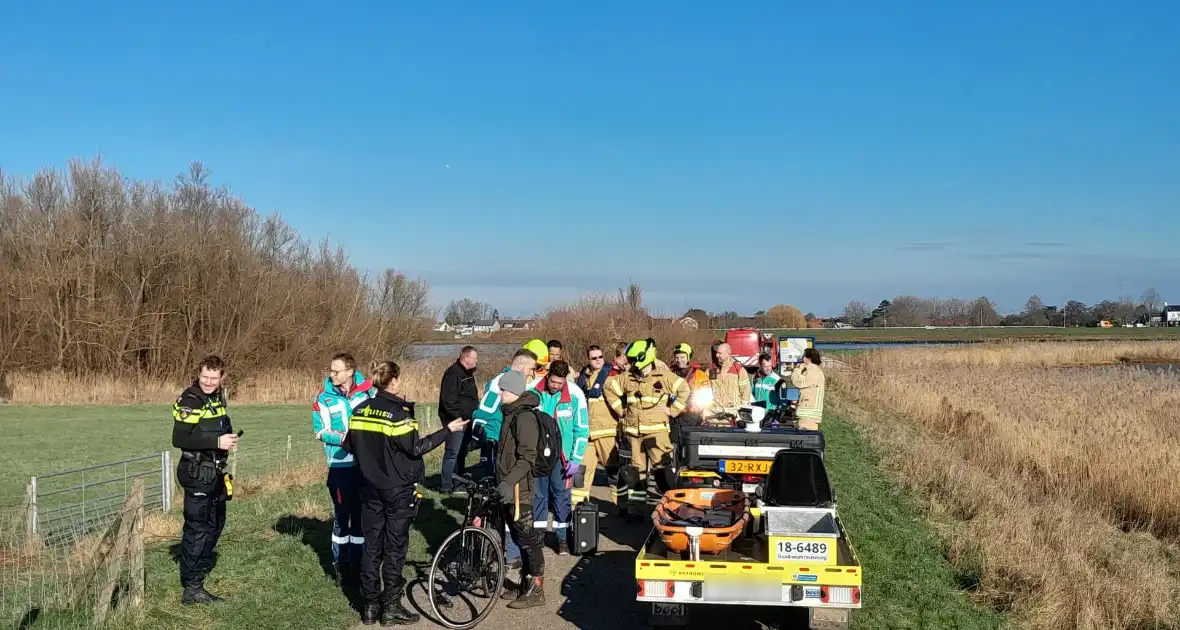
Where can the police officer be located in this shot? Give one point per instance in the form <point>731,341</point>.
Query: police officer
<point>202,431</point>
<point>383,439</point>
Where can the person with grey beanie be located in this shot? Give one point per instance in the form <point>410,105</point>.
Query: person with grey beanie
<point>516,456</point>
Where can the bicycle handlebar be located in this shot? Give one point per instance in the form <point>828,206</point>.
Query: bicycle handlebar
<point>485,483</point>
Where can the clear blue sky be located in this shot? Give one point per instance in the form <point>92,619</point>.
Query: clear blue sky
<point>723,155</point>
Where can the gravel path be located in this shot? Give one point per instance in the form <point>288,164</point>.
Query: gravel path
<point>598,592</point>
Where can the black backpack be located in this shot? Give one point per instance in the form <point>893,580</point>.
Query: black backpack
<point>550,455</point>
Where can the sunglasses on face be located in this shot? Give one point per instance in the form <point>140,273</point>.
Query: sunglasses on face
<point>597,358</point>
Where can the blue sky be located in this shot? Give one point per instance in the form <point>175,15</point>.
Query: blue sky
<point>723,155</point>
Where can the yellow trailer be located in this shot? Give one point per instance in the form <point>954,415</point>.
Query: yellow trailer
<point>794,553</point>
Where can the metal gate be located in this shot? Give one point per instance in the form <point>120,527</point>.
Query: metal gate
<point>71,503</point>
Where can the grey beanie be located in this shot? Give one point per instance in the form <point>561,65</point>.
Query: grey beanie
<point>512,382</point>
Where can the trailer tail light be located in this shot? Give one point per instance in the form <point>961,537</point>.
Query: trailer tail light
<point>657,588</point>
<point>839,594</point>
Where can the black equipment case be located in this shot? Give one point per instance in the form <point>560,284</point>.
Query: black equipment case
<point>583,535</point>
<point>703,448</point>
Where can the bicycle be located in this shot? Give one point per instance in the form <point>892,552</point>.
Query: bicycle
<point>480,566</point>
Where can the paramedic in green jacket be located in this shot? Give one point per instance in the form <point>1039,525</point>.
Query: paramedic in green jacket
<point>768,387</point>
<point>343,390</point>
<point>486,421</point>
<point>566,402</point>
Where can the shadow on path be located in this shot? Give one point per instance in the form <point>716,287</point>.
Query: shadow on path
<point>317,534</point>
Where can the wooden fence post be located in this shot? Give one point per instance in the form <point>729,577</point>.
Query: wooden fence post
<point>132,510</point>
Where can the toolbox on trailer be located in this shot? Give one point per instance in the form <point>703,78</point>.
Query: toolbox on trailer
<point>733,450</point>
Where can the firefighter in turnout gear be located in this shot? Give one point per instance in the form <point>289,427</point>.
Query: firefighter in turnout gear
<point>646,397</point>
<point>384,442</point>
<point>730,382</point>
<point>604,425</point>
<point>202,431</point>
<point>698,381</point>
<point>809,379</point>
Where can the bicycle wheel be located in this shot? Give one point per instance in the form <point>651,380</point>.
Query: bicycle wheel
<point>473,563</point>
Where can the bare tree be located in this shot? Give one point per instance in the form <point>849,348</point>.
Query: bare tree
<point>855,313</point>
<point>466,311</point>
<point>107,275</point>
<point>1151,301</point>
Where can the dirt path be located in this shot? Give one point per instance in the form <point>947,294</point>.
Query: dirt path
<point>598,592</point>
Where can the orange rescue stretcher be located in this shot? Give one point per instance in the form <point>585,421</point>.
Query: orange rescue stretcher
<point>720,514</point>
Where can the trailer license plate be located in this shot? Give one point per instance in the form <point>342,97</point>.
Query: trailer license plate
<point>747,466</point>
<point>802,550</point>
<point>828,618</point>
<point>667,610</point>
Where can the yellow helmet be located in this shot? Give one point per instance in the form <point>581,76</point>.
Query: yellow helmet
<point>683,347</point>
<point>642,353</point>
<point>539,348</point>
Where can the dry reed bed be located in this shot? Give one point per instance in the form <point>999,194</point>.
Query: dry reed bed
<point>591,320</point>
<point>420,380</point>
<point>1053,485</point>
<point>1025,354</point>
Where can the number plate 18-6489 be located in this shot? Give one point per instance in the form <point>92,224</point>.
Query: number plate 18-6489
<point>814,550</point>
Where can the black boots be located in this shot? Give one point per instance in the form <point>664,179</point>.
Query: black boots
<point>396,614</point>
<point>369,614</point>
<point>197,595</point>
<point>392,614</point>
<point>532,593</point>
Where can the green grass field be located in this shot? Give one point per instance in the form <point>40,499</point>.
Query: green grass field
<point>273,556</point>
<point>884,335</point>
<point>41,440</point>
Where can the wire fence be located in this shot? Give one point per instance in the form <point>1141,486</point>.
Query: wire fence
<point>58,541</point>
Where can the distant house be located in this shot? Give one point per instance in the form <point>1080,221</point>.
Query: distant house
<point>1170,316</point>
<point>485,325</point>
<point>443,327</point>
<point>517,324</point>
<point>816,322</point>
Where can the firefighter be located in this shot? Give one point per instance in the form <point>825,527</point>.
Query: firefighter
<point>646,397</point>
<point>604,426</point>
<point>540,349</point>
<point>768,384</point>
<point>730,383</point>
<point>809,379</point>
<point>384,442</point>
<point>202,431</point>
<point>698,381</point>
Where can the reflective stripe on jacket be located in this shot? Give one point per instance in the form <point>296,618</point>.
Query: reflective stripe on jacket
<point>811,382</point>
<point>603,423</point>
<point>568,408</point>
<point>330,412</point>
<point>766,390</point>
<point>644,400</point>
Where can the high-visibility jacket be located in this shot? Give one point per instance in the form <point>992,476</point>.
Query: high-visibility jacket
<point>698,381</point>
<point>643,401</point>
<point>568,408</point>
<point>330,413</point>
<point>603,423</point>
<point>766,390</point>
<point>810,381</point>
<point>487,418</point>
<point>731,385</point>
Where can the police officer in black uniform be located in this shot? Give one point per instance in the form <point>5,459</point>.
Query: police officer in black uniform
<point>383,439</point>
<point>202,431</point>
